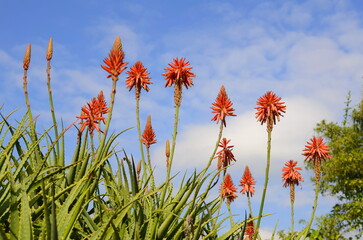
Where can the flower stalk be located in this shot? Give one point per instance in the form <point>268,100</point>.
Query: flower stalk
<point>49,56</point>
<point>269,110</point>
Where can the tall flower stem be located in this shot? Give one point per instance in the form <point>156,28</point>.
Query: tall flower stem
<point>230,215</point>
<point>317,187</point>
<point>139,135</point>
<point>55,124</point>
<point>175,132</point>
<point>109,115</point>
<point>292,218</point>
<point>216,146</point>
<point>269,131</point>
<point>249,204</point>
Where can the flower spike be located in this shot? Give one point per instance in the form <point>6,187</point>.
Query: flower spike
<point>317,151</point>
<point>269,109</point>
<point>138,78</point>
<point>148,137</point>
<point>222,107</point>
<point>114,62</point>
<point>228,189</point>
<point>247,183</point>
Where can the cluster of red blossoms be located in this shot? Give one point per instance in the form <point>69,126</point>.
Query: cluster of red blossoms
<point>222,107</point>
<point>228,190</point>
<point>92,114</point>
<point>148,136</point>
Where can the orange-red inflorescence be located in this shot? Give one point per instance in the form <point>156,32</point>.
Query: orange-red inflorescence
<point>178,72</point>
<point>222,107</point>
<point>148,136</point>
<point>269,109</point>
<point>92,113</point>
<point>316,149</point>
<point>247,182</point>
<point>291,174</point>
<point>225,156</point>
<point>228,189</point>
<point>250,230</point>
<point>138,77</point>
<point>115,64</point>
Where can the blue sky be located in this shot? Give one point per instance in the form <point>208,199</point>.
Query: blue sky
<point>309,52</point>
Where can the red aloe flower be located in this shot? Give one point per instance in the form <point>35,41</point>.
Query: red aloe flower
<point>250,230</point>
<point>269,109</point>
<point>317,151</point>
<point>228,189</point>
<point>222,107</point>
<point>178,72</point>
<point>247,182</point>
<point>114,62</point>
<point>101,105</point>
<point>291,174</point>
<point>92,114</point>
<point>225,156</point>
<point>138,78</point>
<point>148,137</point>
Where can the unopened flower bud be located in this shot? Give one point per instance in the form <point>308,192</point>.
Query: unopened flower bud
<point>167,149</point>
<point>26,61</point>
<point>50,49</point>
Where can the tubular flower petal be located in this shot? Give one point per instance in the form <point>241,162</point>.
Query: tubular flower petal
<point>148,137</point>
<point>222,107</point>
<point>228,189</point>
<point>138,78</point>
<point>317,151</point>
<point>225,156</point>
<point>178,72</point>
<point>269,109</point>
<point>114,62</point>
<point>291,174</point>
<point>92,114</point>
<point>247,182</point>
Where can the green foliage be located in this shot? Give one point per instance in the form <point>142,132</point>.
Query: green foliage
<point>343,174</point>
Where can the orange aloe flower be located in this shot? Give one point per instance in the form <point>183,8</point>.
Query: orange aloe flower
<point>291,174</point>
<point>269,109</point>
<point>222,107</point>
<point>178,72</point>
<point>148,137</point>
<point>250,230</point>
<point>317,151</point>
<point>228,189</point>
<point>115,64</point>
<point>225,156</point>
<point>247,182</point>
<point>92,114</point>
<point>138,78</point>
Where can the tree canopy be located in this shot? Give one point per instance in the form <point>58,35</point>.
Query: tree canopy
<point>343,174</point>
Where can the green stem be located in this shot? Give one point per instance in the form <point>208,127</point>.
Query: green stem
<point>249,204</point>
<point>150,168</point>
<point>317,187</point>
<point>216,146</point>
<point>266,182</point>
<point>55,124</point>
<point>292,220</point>
<point>230,215</point>
<point>139,135</point>
<point>175,132</point>
<point>109,117</point>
